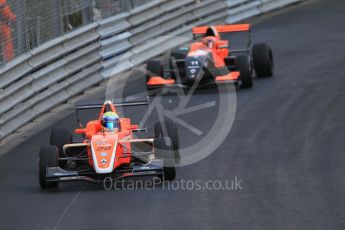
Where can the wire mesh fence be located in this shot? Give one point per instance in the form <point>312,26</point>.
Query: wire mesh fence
<point>107,8</point>
<point>26,24</point>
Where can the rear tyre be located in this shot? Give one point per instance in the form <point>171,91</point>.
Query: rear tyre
<point>154,68</point>
<point>263,60</point>
<point>246,74</point>
<point>171,132</point>
<point>60,137</point>
<point>177,60</point>
<point>163,148</point>
<point>230,62</point>
<point>48,158</point>
<point>178,54</point>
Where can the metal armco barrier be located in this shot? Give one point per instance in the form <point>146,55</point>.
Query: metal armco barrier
<point>47,76</point>
<point>60,69</point>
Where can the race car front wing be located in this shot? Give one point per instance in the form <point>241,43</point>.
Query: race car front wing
<point>152,168</point>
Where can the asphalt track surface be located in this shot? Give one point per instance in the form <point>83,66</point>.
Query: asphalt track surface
<point>287,145</point>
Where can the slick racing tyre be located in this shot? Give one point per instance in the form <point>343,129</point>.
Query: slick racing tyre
<point>246,75</point>
<point>163,148</point>
<point>171,131</point>
<point>48,158</point>
<point>263,60</point>
<point>178,54</point>
<point>177,60</point>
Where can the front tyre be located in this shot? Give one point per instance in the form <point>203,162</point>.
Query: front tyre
<point>163,149</point>
<point>263,60</point>
<point>177,62</point>
<point>171,132</point>
<point>60,137</point>
<point>246,74</point>
<point>48,158</point>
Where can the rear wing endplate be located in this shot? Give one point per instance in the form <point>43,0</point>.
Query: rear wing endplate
<point>224,28</point>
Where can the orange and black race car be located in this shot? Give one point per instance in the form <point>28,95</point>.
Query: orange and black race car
<point>108,149</point>
<point>210,60</point>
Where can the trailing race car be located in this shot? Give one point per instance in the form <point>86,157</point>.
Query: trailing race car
<point>109,149</point>
<point>209,60</point>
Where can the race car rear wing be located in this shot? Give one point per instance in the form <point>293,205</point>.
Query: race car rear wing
<point>202,30</point>
<point>224,28</point>
<point>98,104</point>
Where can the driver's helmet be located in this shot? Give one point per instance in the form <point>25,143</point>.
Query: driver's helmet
<point>110,120</point>
<point>209,42</point>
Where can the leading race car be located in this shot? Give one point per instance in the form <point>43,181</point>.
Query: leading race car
<point>209,60</point>
<point>109,149</point>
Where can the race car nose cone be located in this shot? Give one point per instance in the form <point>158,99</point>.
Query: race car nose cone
<point>194,66</point>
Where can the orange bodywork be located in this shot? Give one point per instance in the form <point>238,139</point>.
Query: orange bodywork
<point>196,46</point>
<point>103,145</point>
<point>219,51</point>
<point>233,76</point>
<point>223,28</point>
<point>221,48</point>
<point>160,81</point>
<point>108,149</point>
